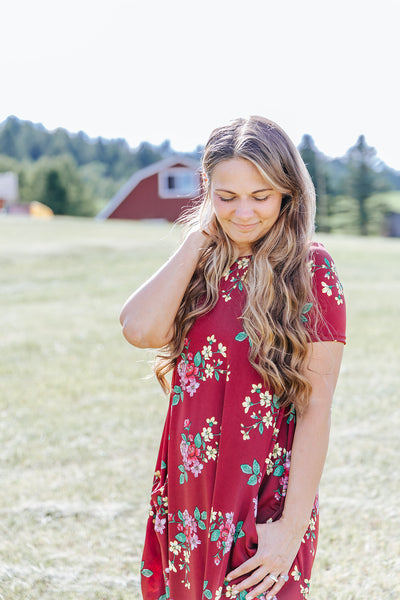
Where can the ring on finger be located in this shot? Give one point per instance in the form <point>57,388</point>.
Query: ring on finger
<point>284,577</point>
<point>273,578</point>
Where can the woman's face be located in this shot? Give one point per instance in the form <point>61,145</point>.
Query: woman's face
<point>245,204</point>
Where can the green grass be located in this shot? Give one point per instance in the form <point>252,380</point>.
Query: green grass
<point>81,421</point>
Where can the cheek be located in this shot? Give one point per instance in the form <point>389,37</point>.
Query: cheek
<point>274,210</point>
<point>221,210</point>
<point>269,218</point>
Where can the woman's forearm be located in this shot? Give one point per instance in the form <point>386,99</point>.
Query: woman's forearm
<point>310,444</point>
<point>309,451</point>
<point>148,315</point>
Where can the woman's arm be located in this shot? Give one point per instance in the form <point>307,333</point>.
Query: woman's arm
<point>147,317</point>
<point>310,443</point>
<point>279,542</point>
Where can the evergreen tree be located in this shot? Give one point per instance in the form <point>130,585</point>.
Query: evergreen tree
<point>146,155</point>
<point>82,150</point>
<point>361,178</point>
<point>314,162</point>
<point>9,138</point>
<point>59,143</point>
<point>55,194</point>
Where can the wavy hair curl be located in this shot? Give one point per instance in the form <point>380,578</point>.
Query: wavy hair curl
<point>278,281</point>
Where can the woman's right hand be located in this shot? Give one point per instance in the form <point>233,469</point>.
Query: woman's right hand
<point>148,316</point>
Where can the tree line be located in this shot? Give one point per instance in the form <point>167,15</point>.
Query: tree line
<point>77,175</point>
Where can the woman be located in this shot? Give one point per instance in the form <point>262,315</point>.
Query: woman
<point>250,315</point>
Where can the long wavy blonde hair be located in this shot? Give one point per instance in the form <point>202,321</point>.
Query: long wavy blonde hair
<point>278,281</point>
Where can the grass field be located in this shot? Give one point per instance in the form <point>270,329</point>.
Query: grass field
<point>80,420</point>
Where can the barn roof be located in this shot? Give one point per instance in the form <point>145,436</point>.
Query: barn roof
<point>138,176</point>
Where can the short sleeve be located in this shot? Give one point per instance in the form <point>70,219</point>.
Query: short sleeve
<point>325,315</point>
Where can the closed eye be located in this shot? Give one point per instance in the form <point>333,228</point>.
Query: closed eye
<point>263,198</point>
<point>225,199</point>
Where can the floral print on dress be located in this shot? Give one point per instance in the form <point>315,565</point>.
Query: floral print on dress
<point>206,592</point>
<point>197,450</point>
<point>278,464</point>
<point>311,533</point>
<point>224,532</point>
<point>304,589</point>
<point>330,274</point>
<point>186,540</point>
<point>235,276</point>
<point>145,572</point>
<point>228,591</point>
<point>254,470</point>
<point>261,418</point>
<point>193,369</point>
<point>159,511</point>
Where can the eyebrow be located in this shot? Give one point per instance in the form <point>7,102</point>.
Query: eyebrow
<point>255,192</point>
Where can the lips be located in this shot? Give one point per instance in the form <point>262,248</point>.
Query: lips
<point>245,227</point>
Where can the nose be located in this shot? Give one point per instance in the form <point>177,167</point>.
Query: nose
<point>244,210</point>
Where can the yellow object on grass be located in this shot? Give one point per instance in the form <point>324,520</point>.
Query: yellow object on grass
<point>38,209</point>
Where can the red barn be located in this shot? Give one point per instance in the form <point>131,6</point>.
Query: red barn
<point>159,191</point>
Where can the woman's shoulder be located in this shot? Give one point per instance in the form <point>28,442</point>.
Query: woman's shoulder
<point>320,261</point>
<point>319,256</point>
<point>330,318</point>
<point>318,250</point>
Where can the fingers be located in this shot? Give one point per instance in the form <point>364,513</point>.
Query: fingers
<point>269,583</point>
<point>257,577</point>
<point>278,585</point>
<point>244,568</point>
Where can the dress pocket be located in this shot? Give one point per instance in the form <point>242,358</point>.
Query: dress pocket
<point>245,545</point>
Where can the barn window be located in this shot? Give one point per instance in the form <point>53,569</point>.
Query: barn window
<point>178,181</point>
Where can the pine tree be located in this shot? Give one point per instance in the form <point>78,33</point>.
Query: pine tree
<point>361,178</point>
<point>55,194</point>
<point>313,160</point>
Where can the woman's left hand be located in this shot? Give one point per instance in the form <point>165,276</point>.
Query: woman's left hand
<point>278,545</point>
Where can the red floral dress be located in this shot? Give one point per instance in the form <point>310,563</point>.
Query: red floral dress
<point>224,459</point>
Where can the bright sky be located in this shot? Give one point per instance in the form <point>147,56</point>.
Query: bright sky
<point>156,70</point>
